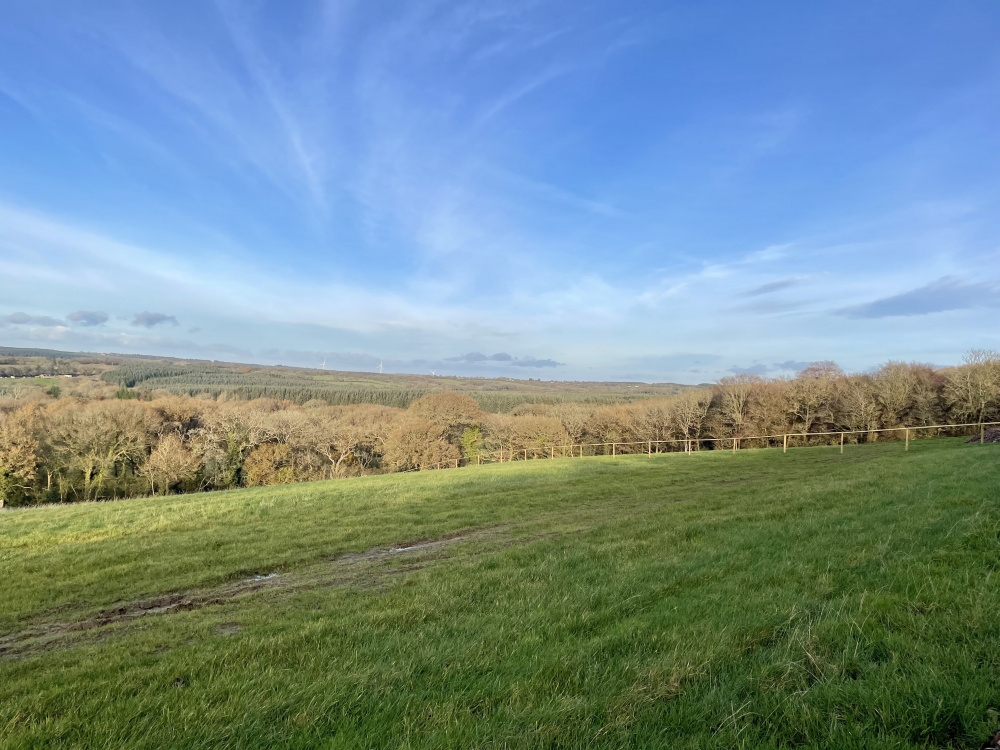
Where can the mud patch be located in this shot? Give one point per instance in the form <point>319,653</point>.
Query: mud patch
<point>229,629</point>
<point>369,569</point>
<point>47,635</point>
<point>424,545</point>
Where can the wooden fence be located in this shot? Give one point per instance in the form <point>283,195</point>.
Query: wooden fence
<point>691,445</point>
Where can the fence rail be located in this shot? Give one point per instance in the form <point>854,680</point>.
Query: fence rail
<point>689,445</point>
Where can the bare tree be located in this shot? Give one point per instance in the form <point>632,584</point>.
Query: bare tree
<point>447,408</point>
<point>228,437</point>
<point>269,464</point>
<point>688,414</point>
<point>169,464</point>
<point>18,453</point>
<point>612,424</point>
<point>770,408</point>
<point>905,391</point>
<point>101,442</point>
<point>652,419</point>
<point>355,438</point>
<point>736,402</point>
<point>973,391</point>
<point>539,434</point>
<point>419,444</point>
<point>812,396</point>
<point>861,404</point>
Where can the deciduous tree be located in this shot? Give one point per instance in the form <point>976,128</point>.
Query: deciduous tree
<point>170,464</point>
<point>18,453</point>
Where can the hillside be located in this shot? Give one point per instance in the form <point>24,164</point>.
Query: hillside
<point>716,600</point>
<point>149,376</point>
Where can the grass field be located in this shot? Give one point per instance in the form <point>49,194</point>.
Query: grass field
<point>756,600</point>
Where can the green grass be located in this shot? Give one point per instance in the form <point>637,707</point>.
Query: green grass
<point>756,600</point>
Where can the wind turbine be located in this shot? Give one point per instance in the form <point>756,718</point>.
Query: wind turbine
<point>380,367</point>
<point>434,373</point>
<point>324,361</point>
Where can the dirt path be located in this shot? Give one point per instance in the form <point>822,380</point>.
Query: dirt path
<point>368,569</point>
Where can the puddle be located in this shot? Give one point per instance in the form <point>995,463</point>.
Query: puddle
<point>263,577</point>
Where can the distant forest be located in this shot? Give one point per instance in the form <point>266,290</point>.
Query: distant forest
<point>302,387</point>
<point>160,428</point>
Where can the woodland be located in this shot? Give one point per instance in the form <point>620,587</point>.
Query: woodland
<point>60,443</point>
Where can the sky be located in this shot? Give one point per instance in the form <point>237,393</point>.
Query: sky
<point>566,190</point>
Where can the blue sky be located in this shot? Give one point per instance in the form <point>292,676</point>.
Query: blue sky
<point>566,190</point>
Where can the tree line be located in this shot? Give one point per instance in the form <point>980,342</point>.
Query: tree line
<point>149,379</point>
<point>80,449</point>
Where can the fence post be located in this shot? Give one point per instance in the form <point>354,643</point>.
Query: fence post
<point>841,442</point>
<point>785,450</point>
<point>907,439</point>
<point>982,434</point>
<point>501,452</point>
<point>552,451</point>
<point>614,449</point>
<point>649,448</point>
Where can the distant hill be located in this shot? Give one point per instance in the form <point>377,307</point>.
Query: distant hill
<point>207,378</point>
<point>13,351</point>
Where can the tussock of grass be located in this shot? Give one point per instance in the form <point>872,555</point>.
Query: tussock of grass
<point>758,600</point>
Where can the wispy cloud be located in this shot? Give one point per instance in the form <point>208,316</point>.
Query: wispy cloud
<point>945,294</point>
<point>80,262</point>
<point>442,177</point>
<point>520,91</point>
<point>771,287</point>
<point>305,153</point>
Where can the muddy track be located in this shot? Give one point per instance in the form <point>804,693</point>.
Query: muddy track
<point>368,569</point>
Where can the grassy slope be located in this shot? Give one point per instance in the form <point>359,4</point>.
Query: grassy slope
<point>756,600</point>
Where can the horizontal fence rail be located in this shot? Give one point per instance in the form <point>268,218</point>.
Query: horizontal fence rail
<point>689,445</point>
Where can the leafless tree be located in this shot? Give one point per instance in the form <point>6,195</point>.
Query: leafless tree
<point>736,402</point>
<point>18,452</point>
<point>419,444</point>
<point>170,463</point>
<point>973,391</point>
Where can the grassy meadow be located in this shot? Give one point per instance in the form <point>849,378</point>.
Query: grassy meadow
<point>755,600</point>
